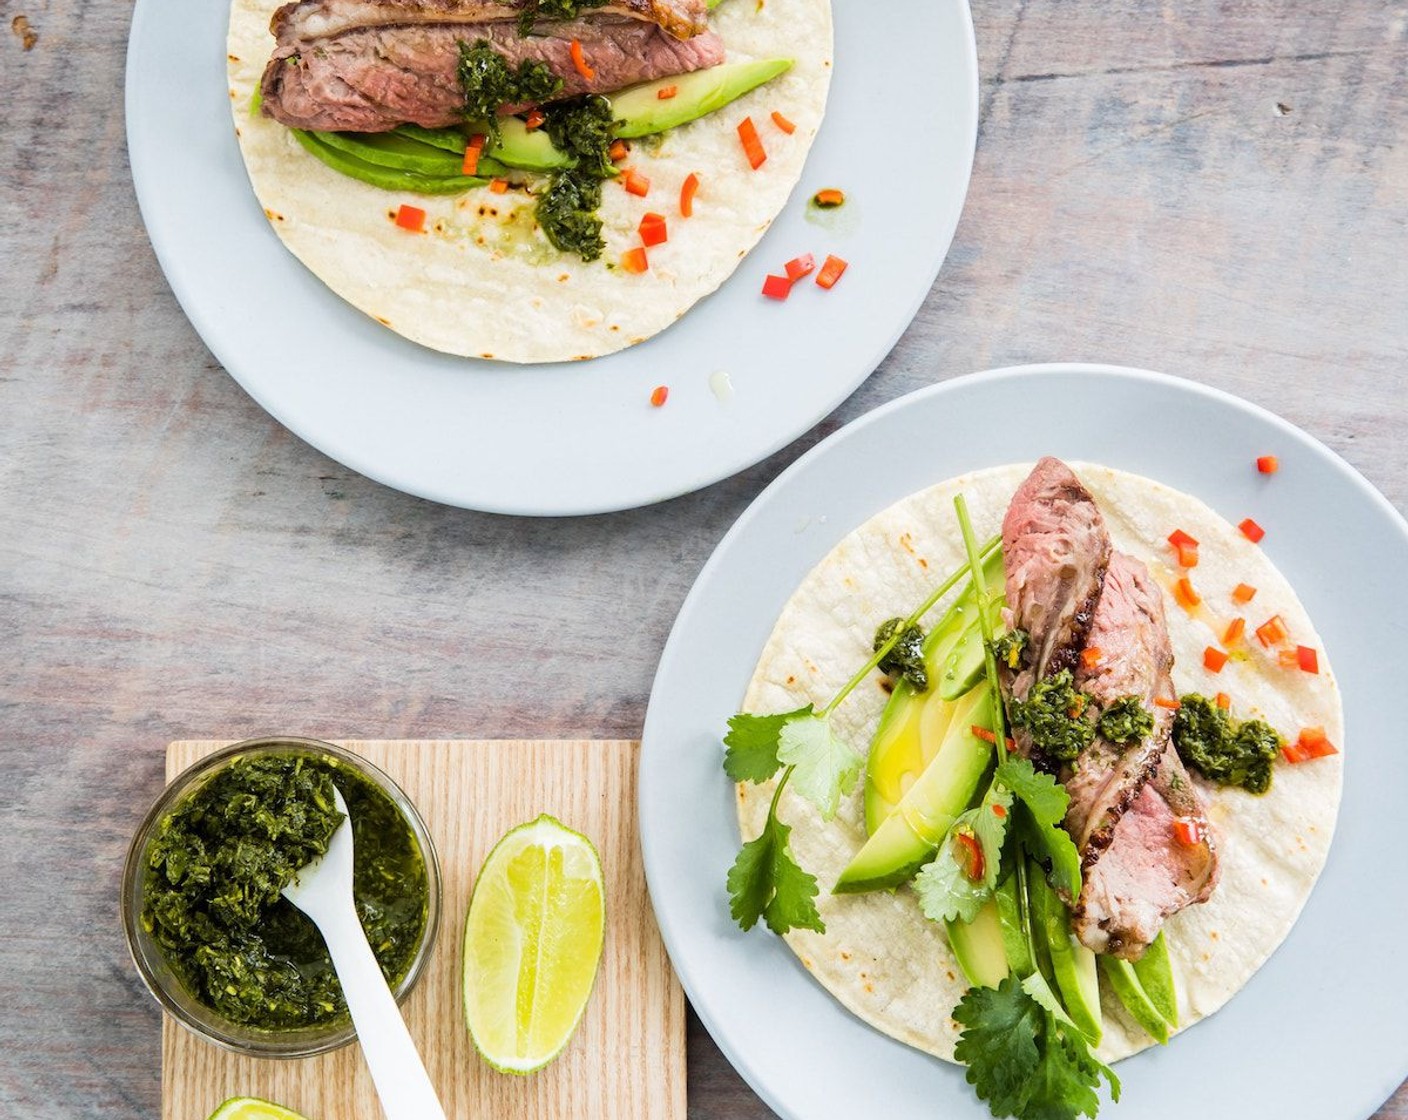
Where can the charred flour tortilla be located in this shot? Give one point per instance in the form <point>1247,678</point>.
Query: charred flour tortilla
<point>879,956</point>
<point>482,281</point>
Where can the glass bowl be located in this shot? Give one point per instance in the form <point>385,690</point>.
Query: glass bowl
<point>163,983</point>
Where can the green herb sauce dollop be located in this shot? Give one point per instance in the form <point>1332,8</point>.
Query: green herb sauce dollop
<point>1053,714</point>
<point>906,656</point>
<point>1226,751</point>
<point>218,861</point>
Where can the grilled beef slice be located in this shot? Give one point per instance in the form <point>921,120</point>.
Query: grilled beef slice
<point>1125,797</point>
<point>310,20</point>
<point>1055,549</point>
<point>374,79</point>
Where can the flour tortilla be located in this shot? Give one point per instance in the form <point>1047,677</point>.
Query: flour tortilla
<point>879,956</point>
<point>483,281</point>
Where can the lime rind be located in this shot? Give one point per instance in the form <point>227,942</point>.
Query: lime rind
<point>540,890</point>
<point>253,1108</point>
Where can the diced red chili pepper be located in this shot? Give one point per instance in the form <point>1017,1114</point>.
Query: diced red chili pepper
<point>472,151</point>
<point>664,93</point>
<point>618,151</point>
<point>829,198</point>
<point>534,120</point>
<point>983,733</point>
<point>653,230</point>
<point>635,183</point>
<point>1233,634</point>
<point>1179,539</point>
<point>579,60</point>
<point>1315,744</point>
<point>1294,752</point>
<point>1287,659</point>
<point>1214,659</point>
<point>1090,656</point>
<point>1243,593</point>
<point>969,854</point>
<point>752,145</point>
<point>1224,701</point>
<point>1188,831</point>
<point>1272,632</point>
<point>635,260</point>
<point>777,287</point>
<point>1187,556</point>
<point>830,272</point>
<point>687,193</point>
<point>411,218</point>
<point>1268,464</point>
<point>999,811</point>
<point>660,395</point>
<point>498,186</point>
<point>783,123</point>
<point>1184,594</point>
<point>1251,530</point>
<point>1307,659</point>
<point>1165,702</point>
<point>801,266</point>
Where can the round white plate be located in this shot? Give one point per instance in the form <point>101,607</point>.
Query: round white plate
<point>1320,1030</point>
<point>574,437</point>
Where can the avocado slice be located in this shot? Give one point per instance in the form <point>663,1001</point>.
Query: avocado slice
<point>387,149</point>
<point>1014,937</point>
<point>980,947</point>
<point>377,175</point>
<point>516,146</point>
<point>967,661</point>
<point>641,111</point>
<point>913,724</point>
<point>1154,970</point>
<point>908,837</point>
<point>1073,966</point>
<point>1124,981</point>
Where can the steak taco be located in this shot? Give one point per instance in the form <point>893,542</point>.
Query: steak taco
<point>1101,772</point>
<point>526,180</point>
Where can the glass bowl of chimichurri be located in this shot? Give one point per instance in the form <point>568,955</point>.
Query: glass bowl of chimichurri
<point>212,936</point>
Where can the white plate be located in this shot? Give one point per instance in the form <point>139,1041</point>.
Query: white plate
<point>1318,1032</point>
<point>574,437</point>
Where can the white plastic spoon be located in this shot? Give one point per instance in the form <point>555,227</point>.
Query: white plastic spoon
<point>323,891</point>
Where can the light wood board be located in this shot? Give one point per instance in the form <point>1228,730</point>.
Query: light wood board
<point>627,1058</point>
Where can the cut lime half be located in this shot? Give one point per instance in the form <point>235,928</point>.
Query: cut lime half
<point>252,1108</point>
<point>532,943</point>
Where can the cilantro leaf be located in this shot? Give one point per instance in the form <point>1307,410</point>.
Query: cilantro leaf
<point>825,767</point>
<point>946,890</point>
<point>766,882</point>
<point>752,744</point>
<point>1025,1061</point>
<point>1039,829</point>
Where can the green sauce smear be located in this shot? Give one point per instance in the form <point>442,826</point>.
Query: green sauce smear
<point>218,861</point>
<point>1226,751</point>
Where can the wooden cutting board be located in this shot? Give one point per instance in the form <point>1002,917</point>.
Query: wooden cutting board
<point>627,1058</point>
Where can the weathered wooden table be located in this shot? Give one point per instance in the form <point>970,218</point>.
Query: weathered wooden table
<point>1219,191</point>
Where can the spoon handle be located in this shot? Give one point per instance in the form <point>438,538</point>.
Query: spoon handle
<point>396,1067</point>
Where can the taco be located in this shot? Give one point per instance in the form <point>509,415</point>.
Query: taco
<point>526,180</point>
<point>1154,668</point>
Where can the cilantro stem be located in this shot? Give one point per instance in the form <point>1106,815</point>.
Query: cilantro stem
<point>923,609</point>
<point>999,730</point>
<point>1024,909</point>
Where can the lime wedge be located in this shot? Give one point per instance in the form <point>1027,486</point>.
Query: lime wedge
<point>532,942</point>
<point>251,1108</point>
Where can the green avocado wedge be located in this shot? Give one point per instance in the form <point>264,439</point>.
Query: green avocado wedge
<point>979,947</point>
<point>908,837</point>
<point>1124,981</point>
<point>531,151</point>
<point>377,175</point>
<point>1154,970</point>
<point>1072,964</point>
<point>640,110</point>
<point>913,725</point>
<point>387,149</point>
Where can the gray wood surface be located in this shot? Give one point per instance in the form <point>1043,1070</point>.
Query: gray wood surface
<point>1218,190</point>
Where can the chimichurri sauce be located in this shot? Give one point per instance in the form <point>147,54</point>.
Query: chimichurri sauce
<point>218,861</point>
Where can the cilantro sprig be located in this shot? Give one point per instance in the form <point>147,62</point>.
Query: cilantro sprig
<point>766,882</point>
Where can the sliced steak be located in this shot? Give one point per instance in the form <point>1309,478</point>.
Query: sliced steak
<point>373,80</point>
<point>1055,549</point>
<point>1136,659</point>
<point>308,20</point>
<point>1146,875</point>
